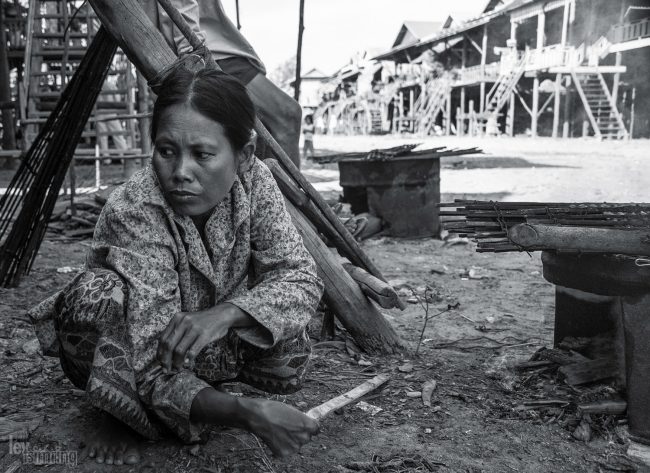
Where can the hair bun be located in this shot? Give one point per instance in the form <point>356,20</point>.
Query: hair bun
<point>199,59</point>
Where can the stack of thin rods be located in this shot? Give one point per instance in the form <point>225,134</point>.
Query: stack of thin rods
<point>488,222</point>
<point>397,152</point>
<point>27,205</point>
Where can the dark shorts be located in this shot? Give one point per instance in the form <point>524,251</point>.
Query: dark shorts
<point>239,67</point>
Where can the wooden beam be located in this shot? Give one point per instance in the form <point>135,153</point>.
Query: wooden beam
<point>379,291</point>
<point>585,239</point>
<point>473,43</point>
<point>627,45</point>
<point>588,69</point>
<point>484,42</point>
<point>543,107</point>
<point>541,25</point>
<point>565,23</point>
<point>367,326</point>
<point>135,33</point>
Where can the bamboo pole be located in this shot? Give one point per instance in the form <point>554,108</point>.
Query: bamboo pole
<point>343,295</point>
<point>301,28</point>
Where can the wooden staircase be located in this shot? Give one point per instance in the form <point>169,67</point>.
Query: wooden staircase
<point>58,34</point>
<point>376,122</point>
<point>500,92</point>
<point>430,103</point>
<point>603,115</point>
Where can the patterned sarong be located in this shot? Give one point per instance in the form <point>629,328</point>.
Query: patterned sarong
<point>86,326</point>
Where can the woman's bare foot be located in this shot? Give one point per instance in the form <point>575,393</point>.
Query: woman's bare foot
<point>114,443</point>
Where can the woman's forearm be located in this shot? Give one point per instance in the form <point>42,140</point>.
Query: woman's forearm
<point>218,408</point>
<point>236,317</point>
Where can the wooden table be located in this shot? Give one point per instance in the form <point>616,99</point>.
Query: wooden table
<point>588,287</point>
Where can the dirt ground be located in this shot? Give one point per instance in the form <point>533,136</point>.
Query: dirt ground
<point>478,420</point>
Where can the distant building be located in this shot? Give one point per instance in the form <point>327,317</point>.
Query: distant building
<point>538,67</point>
<point>311,83</point>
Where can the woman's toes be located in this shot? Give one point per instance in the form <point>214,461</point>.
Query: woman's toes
<point>92,452</point>
<point>110,456</point>
<point>101,455</point>
<point>131,456</point>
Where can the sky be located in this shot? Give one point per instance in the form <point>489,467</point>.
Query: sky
<point>335,29</point>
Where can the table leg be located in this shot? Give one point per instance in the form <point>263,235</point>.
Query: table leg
<point>636,326</point>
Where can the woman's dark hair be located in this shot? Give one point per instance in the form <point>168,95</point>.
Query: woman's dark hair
<point>213,94</point>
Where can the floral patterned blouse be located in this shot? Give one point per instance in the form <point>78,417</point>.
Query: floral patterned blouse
<point>253,258</point>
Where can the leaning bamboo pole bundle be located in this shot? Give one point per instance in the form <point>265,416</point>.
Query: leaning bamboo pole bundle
<point>149,52</point>
<point>30,198</point>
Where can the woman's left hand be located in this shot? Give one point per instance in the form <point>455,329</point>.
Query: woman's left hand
<point>189,332</point>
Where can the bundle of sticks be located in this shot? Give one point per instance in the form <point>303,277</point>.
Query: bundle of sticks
<point>532,226</point>
<point>27,205</point>
<point>397,152</point>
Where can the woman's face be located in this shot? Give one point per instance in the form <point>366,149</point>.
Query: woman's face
<point>194,161</point>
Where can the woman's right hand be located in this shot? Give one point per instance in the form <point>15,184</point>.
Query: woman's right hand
<point>283,428</point>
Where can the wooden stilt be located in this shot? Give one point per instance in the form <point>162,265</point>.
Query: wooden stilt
<point>483,63</point>
<point>617,79</point>
<point>448,115</point>
<point>556,105</point>
<point>535,108</point>
<point>511,116</point>
<point>461,123</point>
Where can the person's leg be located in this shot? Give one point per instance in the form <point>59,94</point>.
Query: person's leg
<point>95,357</point>
<point>103,137</point>
<point>115,128</point>
<point>280,113</point>
<point>309,149</point>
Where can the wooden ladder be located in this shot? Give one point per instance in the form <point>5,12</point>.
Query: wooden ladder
<point>52,55</point>
<point>501,90</point>
<point>605,119</point>
<point>430,103</point>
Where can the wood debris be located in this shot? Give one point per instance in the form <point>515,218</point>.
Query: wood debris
<point>427,391</point>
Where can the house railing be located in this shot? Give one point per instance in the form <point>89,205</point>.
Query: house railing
<point>629,31</point>
<point>554,56</point>
<point>476,74</point>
